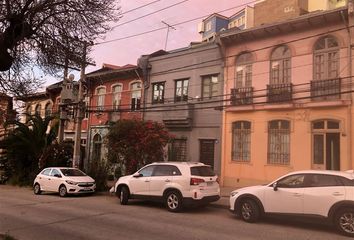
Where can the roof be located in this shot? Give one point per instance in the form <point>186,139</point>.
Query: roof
<point>33,96</point>
<point>215,15</point>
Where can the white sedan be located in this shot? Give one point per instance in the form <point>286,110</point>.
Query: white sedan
<point>64,181</point>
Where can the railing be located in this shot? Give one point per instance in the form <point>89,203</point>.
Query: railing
<point>279,92</point>
<point>241,96</point>
<point>326,89</point>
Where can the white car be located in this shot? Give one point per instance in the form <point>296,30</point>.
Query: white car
<point>325,194</point>
<point>175,183</point>
<point>64,181</point>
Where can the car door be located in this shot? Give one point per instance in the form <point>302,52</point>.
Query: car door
<point>162,176</point>
<point>54,181</point>
<point>287,196</point>
<point>324,189</point>
<point>140,185</point>
<point>43,179</point>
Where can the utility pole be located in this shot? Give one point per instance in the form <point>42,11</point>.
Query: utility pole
<point>80,110</point>
<point>168,30</point>
<point>61,107</point>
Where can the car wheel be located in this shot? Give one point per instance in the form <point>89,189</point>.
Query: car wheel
<point>249,211</point>
<point>173,201</point>
<point>344,221</point>
<point>37,189</point>
<point>124,196</point>
<point>62,191</point>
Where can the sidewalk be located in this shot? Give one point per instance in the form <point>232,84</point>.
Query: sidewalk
<point>223,202</point>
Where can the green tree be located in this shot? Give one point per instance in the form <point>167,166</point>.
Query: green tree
<point>134,143</point>
<point>25,146</point>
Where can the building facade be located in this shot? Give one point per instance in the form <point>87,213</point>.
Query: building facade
<point>183,90</point>
<point>289,87</point>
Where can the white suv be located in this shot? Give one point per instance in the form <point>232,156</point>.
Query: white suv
<point>327,194</point>
<point>175,183</point>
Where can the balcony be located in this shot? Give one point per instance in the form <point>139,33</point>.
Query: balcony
<point>179,116</point>
<point>279,92</point>
<point>328,89</point>
<point>241,96</point>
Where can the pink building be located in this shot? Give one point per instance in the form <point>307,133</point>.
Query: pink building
<point>290,90</point>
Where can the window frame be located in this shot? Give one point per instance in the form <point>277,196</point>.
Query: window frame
<point>281,75</point>
<point>245,134</point>
<point>183,89</point>
<point>210,85</point>
<point>160,93</point>
<point>116,95</point>
<point>100,97</point>
<point>279,138</point>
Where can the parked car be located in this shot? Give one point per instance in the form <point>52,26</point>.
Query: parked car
<point>175,183</point>
<point>64,181</point>
<point>325,194</point>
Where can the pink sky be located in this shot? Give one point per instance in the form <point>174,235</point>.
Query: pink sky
<point>129,50</point>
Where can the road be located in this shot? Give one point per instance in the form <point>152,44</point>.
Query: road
<point>24,215</point>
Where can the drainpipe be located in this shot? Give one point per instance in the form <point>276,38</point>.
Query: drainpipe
<point>349,109</point>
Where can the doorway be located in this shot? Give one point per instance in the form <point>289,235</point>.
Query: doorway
<point>206,153</point>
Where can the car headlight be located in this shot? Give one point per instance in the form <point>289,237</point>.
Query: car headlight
<point>233,194</point>
<point>70,182</point>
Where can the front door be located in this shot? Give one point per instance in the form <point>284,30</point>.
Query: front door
<point>207,151</point>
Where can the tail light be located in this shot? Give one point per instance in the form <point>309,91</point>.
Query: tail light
<point>196,181</point>
<point>218,180</point>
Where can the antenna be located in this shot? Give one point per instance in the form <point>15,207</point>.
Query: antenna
<point>168,30</point>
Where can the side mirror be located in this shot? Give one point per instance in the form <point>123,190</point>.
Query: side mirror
<point>137,175</point>
<point>57,175</point>
<point>275,186</point>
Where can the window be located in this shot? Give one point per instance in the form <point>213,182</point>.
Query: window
<point>241,141</point>
<point>46,172</point>
<point>48,109</point>
<point>178,150</point>
<point>147,171</point>
<point>326,58</point>
<point>97,146</point>
<point>292,181</point>
<point>322,180</point>
<point>87,105</point>
<point>55,172</point>
<point>158,92</point>
<point>210,85</point>
<point>136,95</point>
<point>117,96</point>
<point>279,142</point>
<point>166,170</point>
<point>28,112</point>
<point>100,92</point>
<point>208,26</point>
<point>38,110</point>
<point>244,70</point>
<point>202,171</point>
<point>181,93</point>
<point>280,66</point>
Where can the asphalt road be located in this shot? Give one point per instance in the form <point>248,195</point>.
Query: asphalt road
<point>24,215</point>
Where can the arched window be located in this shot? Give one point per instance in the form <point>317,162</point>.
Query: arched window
<point>326,58</point>
<point>280,65</point>
<point>244,70</point>
<point>279,142</point>
<point>38,110</point>
<point>48,109</point>
<point>135,89</point>
<point>117,95</point>
<point>241,141</point>
<point>100,92</point>
<point>97,145</point>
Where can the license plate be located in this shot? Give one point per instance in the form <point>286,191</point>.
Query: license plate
<point>87,188</point>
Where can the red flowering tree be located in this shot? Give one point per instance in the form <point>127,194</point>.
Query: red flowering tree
<point>134,143</point>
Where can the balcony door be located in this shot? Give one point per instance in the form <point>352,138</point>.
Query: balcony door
<point>326,145</point>
<point>206,154</point>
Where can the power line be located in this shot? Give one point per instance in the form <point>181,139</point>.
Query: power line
<point>142,6</point>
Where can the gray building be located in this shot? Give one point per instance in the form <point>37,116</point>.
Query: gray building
<point>184,90</point>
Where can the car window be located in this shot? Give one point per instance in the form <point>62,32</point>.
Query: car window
<point>292,181</point>
<point>46,171</point>
<point>346,181</point>
<point>72,172</point>
<point>147,171</point>
<point>54,172</point>
<point>202,171</point>
<point>323,180</point>
<point>166,170</point>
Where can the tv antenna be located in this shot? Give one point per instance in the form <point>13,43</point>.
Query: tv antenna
<point>168,30</point>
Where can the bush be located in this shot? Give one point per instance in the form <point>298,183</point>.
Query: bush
<point>98,170</point>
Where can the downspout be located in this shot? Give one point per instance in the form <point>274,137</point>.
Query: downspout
<point>349,108</point>
<point>222,51</point>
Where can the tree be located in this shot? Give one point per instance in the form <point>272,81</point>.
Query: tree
<point>44,33</point>
<point>25,146</point>
<point>134,143</point>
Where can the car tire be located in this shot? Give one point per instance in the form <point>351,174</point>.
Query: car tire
<point>37,189</point>
<point>249,211</point>
<point>344,221</point>
<point>62,191</point>
<point>173,201</point>
<point>124,196</point>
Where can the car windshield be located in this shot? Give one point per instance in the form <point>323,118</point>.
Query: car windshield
<point>72,172</point>
<point>203,171</point>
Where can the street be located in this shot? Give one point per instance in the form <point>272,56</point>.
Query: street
<point>24,215</point>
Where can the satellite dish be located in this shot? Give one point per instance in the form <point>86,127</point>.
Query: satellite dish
<point>71,77</point>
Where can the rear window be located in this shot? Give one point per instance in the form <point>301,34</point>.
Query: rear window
<point>203,171</point>
<point>72,172</point>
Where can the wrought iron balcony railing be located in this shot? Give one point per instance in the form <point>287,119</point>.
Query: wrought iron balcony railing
<point>326,89</point>
<point>279,92</point>
<point>241,96</point>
